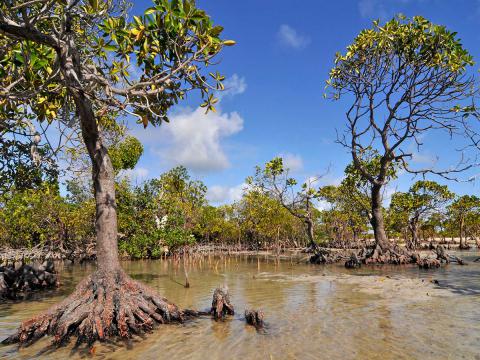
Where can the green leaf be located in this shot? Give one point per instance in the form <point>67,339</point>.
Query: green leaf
<point>110,48</point>
<point>150,11</point>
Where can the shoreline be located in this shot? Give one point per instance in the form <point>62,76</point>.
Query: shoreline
<point>37,254</point>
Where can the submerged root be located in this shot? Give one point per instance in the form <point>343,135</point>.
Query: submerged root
<point>103,305</point>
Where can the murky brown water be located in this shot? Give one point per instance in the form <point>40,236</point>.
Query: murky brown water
<point>312,313</point>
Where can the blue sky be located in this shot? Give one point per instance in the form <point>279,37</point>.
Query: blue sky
<point>274,104</point>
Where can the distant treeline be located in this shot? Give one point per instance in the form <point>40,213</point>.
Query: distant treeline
<point>165,214</point>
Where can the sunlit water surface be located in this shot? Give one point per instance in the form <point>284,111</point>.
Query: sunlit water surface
<point>312,312</point>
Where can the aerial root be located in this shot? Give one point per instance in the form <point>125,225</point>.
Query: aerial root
<point>221,305</point>
<point>255,318</point>
<point>101,306</point>
<point>17,282</point>
<point>327,256</point>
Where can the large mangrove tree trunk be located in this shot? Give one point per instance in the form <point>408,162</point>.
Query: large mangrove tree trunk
<point>108,302</point>
<point>463,243</point>
<point>377,222</point>
<point>384,252</point>
<point>414,241</point>
<point>311,235</point>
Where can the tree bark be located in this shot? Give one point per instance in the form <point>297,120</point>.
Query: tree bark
<point>460,245</point>
<point>108,302</point>
<point>413,227</point>
<point>377,221</point>
<point>310,233</point>
<point>104,188</point>
<point>102,170</point>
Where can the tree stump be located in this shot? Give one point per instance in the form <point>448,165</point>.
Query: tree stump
<point>254,318</point>
<point>221,305</point>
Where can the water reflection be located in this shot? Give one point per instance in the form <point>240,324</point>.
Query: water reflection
<point>310,313</point>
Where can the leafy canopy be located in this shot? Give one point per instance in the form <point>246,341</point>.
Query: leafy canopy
<point>418,42</point>
<point>141,65</point>
<point>125,154</point>
<point>423,198</point>
<point>403,78</point>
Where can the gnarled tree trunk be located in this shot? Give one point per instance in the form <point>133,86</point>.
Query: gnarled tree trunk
<point>413,227</point>
<point>108,302</point>
<point>384,251</point>
<point>376,220</point>
<point>311,234</point>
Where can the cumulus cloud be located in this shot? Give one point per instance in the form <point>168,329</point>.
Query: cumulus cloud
<point>193,139</point>
<point>223,194</point>
<point>292,162</point>
<point>234,85</point>
<point>388,193</point>
<point>380,9</point>
<point>138,174</point>
<point>424,158</point>
<point>288,36</point>
<point>323,205</point>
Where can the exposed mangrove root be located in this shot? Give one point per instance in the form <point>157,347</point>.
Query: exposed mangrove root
<point>353,262</point>
<point>441,254</point>
<point>78,254</point>
<point>103,305</point>
<point>387,254</point>
<point>428,263</point>
<point>441,257</point>
<point>17,282</point>
<point>221,305</point>
<point>255,318</point>
<point>456,259</point>
<point>327,256</point>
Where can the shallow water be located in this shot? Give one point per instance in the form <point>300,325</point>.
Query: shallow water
<point>312,312</point>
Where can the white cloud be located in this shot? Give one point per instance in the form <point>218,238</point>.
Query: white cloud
<point>371,9</point>
<point>292,162</point>
<point>388,191</point>
<point>223,194</point>
<point>323,205</point>
<point>234,85</point>
<point>380,9</point>
<point>193,139</point>
<point>291,38</point>
<point>328,179</point>
<point>138,174</point>
<point>424,158</point>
